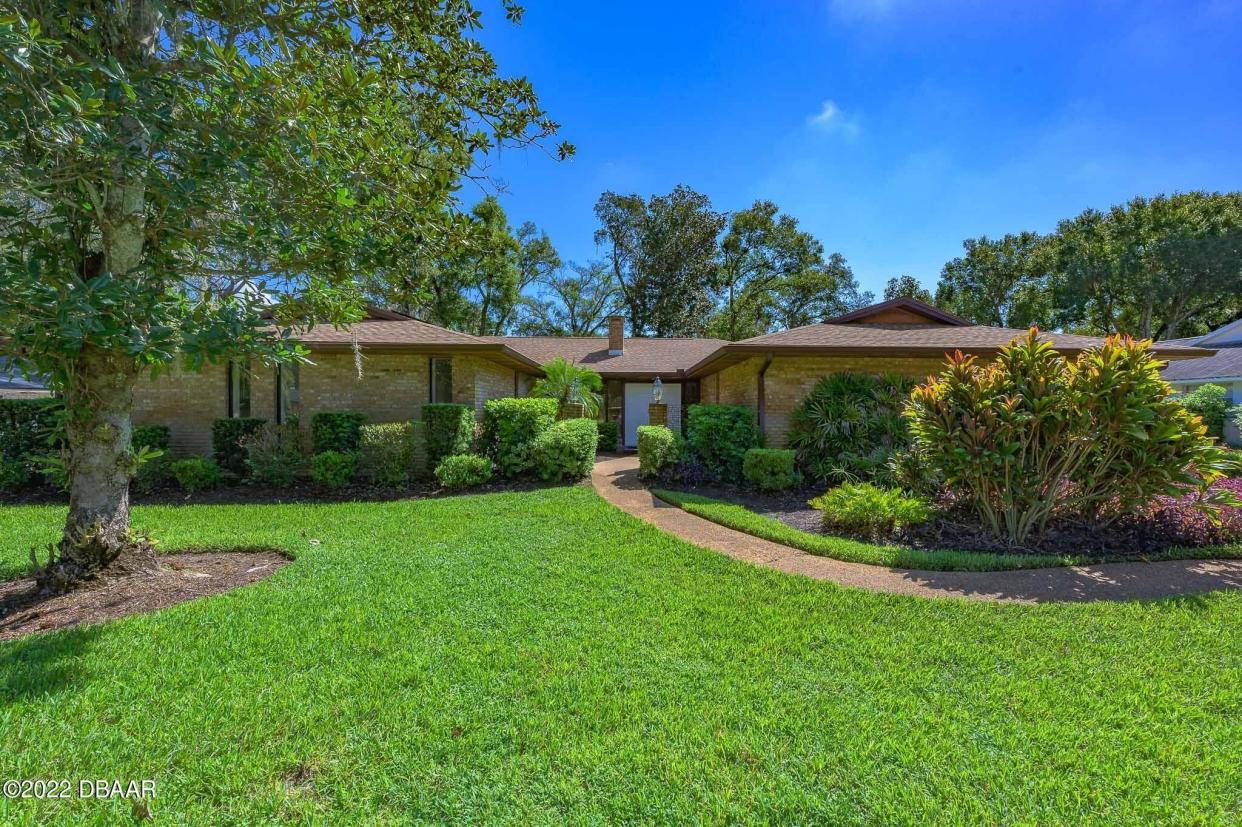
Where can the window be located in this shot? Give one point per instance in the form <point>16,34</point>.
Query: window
<point>288,391</point>
<point>441,380</point>
<point>239,389</point>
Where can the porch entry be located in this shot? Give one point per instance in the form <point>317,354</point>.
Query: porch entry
<point>638,397</point>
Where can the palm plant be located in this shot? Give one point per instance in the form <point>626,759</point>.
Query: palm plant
<point>571,386</point>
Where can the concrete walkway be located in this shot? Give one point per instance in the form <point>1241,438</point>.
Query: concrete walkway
<point>616,480</point>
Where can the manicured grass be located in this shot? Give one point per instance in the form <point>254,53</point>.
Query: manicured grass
<point>542,658</point>
<point>740,518</point>
<point>743,519</point>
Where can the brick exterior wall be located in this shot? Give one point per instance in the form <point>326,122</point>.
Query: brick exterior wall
<point>393,387</point>
<point>790,378</point>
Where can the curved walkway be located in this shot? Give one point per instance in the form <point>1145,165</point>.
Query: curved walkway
<point>616,480</point>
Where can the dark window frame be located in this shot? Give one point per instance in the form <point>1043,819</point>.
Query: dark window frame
<point>237,403</point>
<point>432,379</point>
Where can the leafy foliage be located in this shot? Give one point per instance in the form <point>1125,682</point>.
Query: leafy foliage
<point>566,450</point>
<point>274,454</point>
<point>849,425</point>
<point>336,431</point>
<point>196,474</point>
<point>228,438</point>
<point>573,302</point>
<point>906,286</point>
<point>28,427</point>
<point>333,469</point>
<point>1002,282</point>
<point>14,474</point>
<point>720,435</point>
<point>659,449</point>
<point>609,435</point>
<point>1032,434</point>
<point>510,427</point>
<point>863,510</point>
<point>387,453</point>
<point>1185,520</point>
<point>575,388</point>
<point>1211,403</point>
<point>463,471</point>
<point>770,469</point>
<point>151,446</point>
<point>449,430</point>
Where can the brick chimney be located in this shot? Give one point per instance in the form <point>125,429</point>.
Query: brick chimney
<point>616,335</point>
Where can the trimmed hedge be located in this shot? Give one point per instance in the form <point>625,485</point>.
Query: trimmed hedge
<point>720,435</point>
<point>14,474</point>
<point>658,448</point>
<point>510,427</point>
<point>196,474</point>
<point>227,436</point>
<point>386,453</point>
<point>333,469</point>
<point>449,430</point>
<point>336,431</point>
<point>771,469</point>
<point>609,436</point>
<point>464,470</point>
<point>566,450</point>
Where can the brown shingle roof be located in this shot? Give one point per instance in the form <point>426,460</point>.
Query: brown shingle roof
<point>643,358</point>
<point>411,334</point>
<point>1226,364</point>
<point>903,339</point>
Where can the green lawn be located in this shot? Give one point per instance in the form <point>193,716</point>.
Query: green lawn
<point>541,658</point>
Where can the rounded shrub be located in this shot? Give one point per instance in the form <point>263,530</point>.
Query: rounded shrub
<point>463,471</point>
<point>566,450</point>
<point>770,469</point>
<point>609,435</point>
<point>864,510</point>
<point>333,469</point>
<point>659,449</point>
<point>227,436</point>
<point>720,435</point>
<point>510,427</point>
<point>849,425</point>
<point>386,453</point>
<point>1211,403</point>
<point>196,474</point>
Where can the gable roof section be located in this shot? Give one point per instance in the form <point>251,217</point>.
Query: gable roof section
<point>859,339</point>
<point>410,334</point>
<point>642,358</point>
<point>898,311</point>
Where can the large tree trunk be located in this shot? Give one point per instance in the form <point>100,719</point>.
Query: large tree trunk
<point>100,463</point>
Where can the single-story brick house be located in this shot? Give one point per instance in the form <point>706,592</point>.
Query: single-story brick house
<point>389,365</point>
<point>1224,368</point>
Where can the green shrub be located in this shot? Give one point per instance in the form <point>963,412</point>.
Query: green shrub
<point>770,469</point>
<point>14,475</point>
<point>864,510</point>
<point>609,435</point>
<point>510,427</point>
<point>150,444</point>
<point>274,454</point>
<point>336,431</point>
<point>1211,403</point>
<point>464,471</point>
<point>720,435</point>
<point>849,425</point>
<point>333,469</point>
<point>196,474</point>
<point>386,453</point>
<point>1031,434</point>
<point>449,430</point>
<point>659,449</point>
<point>28,427</point>
<point>566,450</point>
<point>226,442</point>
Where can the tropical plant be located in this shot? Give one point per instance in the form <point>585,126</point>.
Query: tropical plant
<point>1031,434</point>
<point>849,425</point>
<point>865,510</point>
<point>575,388</point>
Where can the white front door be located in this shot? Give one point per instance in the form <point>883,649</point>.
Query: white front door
<point>638,397</point>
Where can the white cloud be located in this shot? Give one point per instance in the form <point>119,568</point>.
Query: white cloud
<point>830,118</point>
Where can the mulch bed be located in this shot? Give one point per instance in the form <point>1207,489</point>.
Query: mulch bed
<point>180,577</point>
<point>1127,539</point>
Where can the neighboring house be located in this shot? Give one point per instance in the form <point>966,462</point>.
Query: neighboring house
<point>1224,368</point>
<point>401,364</point>
<point>16,385</point>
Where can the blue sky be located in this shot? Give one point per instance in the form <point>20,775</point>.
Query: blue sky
<point>892,129</point>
